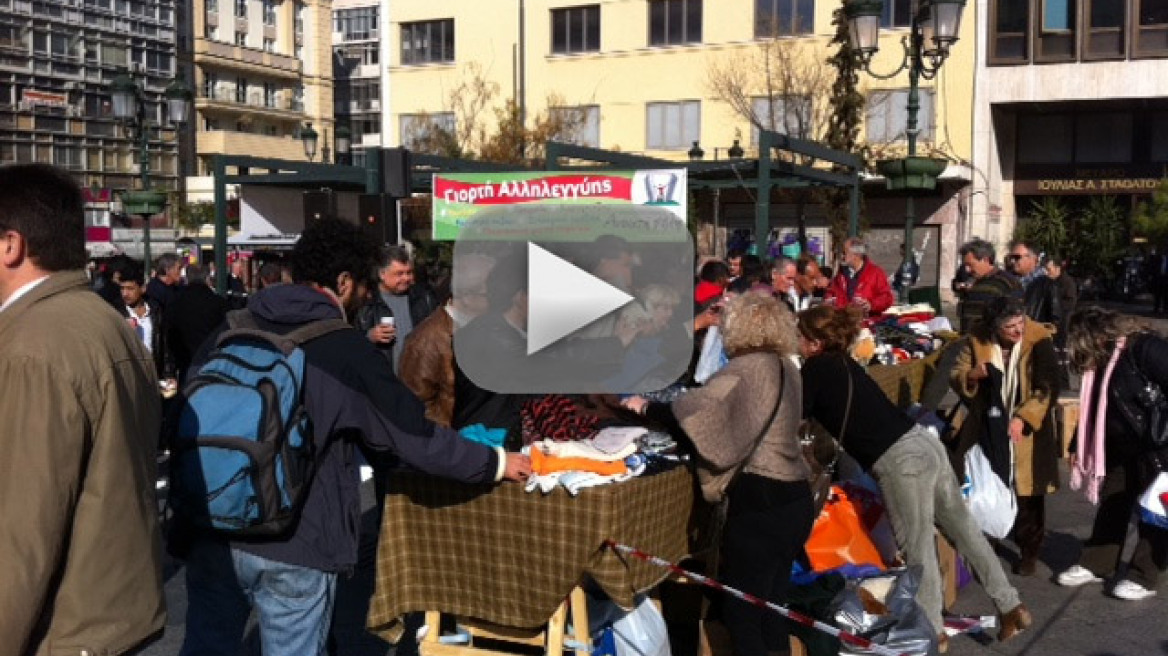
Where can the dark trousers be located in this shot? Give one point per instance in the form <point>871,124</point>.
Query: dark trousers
<point>1121,489</point>
<point>767,523</point>
<point>1030,526</point>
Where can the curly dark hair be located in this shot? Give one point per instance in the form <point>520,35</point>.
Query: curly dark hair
<point>329,247</point>
<point>44,204</point>
<point>835,327</point>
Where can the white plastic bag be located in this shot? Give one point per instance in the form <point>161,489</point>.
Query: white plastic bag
<point>990,500</point>
<point>1152,508</point>
<point>712,357</point>
<point>639,632</point>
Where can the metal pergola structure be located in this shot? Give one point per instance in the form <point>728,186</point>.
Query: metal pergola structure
<point>762,174</point>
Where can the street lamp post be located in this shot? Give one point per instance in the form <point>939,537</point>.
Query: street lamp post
<point>933,31</point>
<point>129,106</point>
<point>308,137</point>
<point>344,143</point>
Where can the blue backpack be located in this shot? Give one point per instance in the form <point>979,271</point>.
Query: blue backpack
<point>242,452</point>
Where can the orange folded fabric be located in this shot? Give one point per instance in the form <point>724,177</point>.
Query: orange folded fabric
<point>541,463</point>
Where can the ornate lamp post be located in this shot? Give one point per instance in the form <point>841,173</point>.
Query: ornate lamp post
<point>344,144</point>
<point>932,33</point>
<point>129,106</point>
<point>308,137</point>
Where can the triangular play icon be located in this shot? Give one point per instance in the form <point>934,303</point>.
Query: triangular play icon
<point>562,298</point>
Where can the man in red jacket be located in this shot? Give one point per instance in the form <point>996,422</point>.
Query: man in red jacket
<point>860,281</point>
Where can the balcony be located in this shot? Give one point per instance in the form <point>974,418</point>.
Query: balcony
<point>226,142</point>
<point>224,99</point>
<point>241,58</point>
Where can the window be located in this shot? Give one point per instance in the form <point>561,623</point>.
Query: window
<point>269,94</point>
<point>1011,22</point>
<point>210,82</point>
<point>1103,138</point>
<point>269,12</point>
<point>786,17</point>
<point>1056,39</point>
<point>1152,31</point>
<point>240,90</point>
<point>887,117</point>
<point>241,8</point>
<point>897,13</point>
<point>212,6</point>
<point>1105,29</point>
<point>358,24</point>
<point>423,129</point>
<point>241,38</point>
<point>59,46</point>
<point>673,22</point>
<point>211,31</point>
<point>113,55</point>
<point>1159,145</point>
<point>1046,139</point>
<point>427,42</point>
<point>269,45</point>
<point>578,125</point>
<point>789,115</point>
<point>40,43</point>
<point>298,19</point>
<point>576,29</point>
<point>673,125</point>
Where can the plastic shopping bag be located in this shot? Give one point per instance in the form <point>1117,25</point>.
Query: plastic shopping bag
<point>639,632</point>
<point>1154,502</point>
<point>712,357</point>
<point>991,501</point>
<point>892,619</point>
<point>839,536</point>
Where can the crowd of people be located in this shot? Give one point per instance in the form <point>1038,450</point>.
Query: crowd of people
<point>87,391</point>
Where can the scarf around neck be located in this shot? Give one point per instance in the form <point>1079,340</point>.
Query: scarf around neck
<point>1091,466</point>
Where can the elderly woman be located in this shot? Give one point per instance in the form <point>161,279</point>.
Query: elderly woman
<point>907,460</point>
<point>743,425</point>
<point>1119,358</point>
<point>1008,375</point>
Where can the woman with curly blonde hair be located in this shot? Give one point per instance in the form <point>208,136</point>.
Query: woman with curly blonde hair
<point>743,425</point>
<point>907,460</point>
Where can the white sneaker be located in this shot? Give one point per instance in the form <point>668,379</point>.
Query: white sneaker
<point>1076,576</point>
<point>1131,591</point>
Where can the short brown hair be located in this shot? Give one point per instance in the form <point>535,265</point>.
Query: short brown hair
<point>44,204</point>
<point>757,322</point>
<point>835,328</point>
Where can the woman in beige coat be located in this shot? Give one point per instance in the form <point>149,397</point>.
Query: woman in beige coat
<point>1008,374</point>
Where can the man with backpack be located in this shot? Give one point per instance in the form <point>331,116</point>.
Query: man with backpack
<point>279,547</point>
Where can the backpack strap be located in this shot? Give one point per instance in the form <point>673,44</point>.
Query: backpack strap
<point>241,323</point>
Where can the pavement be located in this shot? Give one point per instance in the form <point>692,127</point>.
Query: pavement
<point>1067,621</point>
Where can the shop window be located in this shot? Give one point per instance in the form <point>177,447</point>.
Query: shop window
<point>576,29</point>
<point>788,17</point>
<point>1046,139</point>
<point>1010,25</point>
<point>673,125</point>
<point>1103,138</point>
<point>1106,37</point>
<point>674,22</point>
<point>1151,36</point>
<point>1056,35</point>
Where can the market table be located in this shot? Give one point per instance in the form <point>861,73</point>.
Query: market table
<point>511,559</point>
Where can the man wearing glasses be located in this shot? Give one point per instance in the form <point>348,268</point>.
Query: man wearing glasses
<point>1040,293</point>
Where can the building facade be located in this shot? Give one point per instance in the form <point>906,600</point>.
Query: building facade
<point>661,76</point>
<point>1071,103</point>
<point>357,71</point>
<point>57,60</point>
<point>263,72</point>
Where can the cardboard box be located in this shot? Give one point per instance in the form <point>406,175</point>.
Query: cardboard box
<point>947,558</point>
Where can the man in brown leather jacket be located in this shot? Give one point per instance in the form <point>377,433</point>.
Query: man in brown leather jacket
<point>80,556</point>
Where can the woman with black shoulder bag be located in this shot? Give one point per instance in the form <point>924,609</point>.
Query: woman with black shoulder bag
<point>1120,445</point>
<point>743,425</point>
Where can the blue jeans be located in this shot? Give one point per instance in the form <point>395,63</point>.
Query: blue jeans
<point>294,604</point>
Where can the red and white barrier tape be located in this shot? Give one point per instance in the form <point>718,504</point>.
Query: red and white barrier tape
<point>794,616</point>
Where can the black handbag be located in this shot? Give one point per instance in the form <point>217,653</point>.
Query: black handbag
<point>1150,397</point>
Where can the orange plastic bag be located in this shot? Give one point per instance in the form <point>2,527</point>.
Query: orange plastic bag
<point>839,536</point>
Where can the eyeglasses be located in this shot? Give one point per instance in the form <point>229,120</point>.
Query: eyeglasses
<point>1017,256</point>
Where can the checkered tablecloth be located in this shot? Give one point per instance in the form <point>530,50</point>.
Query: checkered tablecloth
<point>499,554</point>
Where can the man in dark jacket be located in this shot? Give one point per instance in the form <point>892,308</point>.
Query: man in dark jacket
<point>195,313</point>
<point>353,398</point>
<point>167,277</point>
<point>146,317</point>
<point>396,306</point>
<point>989,282</point>
<point>1040,294</point>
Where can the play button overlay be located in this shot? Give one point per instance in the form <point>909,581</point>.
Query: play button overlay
<point>572,299</point>
<point>563,298</point>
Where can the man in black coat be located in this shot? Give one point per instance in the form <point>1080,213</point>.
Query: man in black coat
<point>194,314</point>
<point>146,317</point>
<point>1040,293</point>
